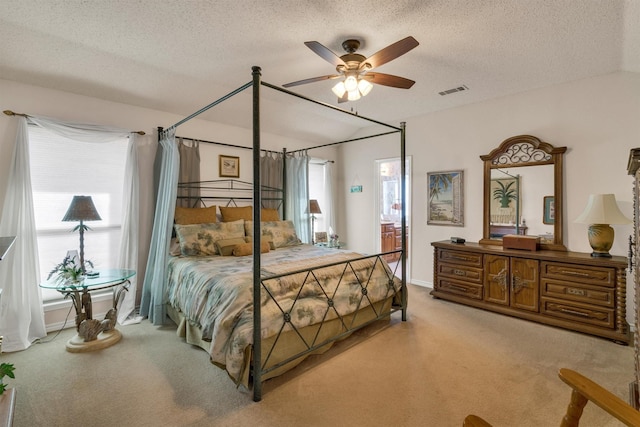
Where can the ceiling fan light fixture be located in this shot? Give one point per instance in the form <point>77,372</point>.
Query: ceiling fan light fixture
<point>339,89</point>
<point>353,95</point>
<point>351,84</point>
<point>364,87</point>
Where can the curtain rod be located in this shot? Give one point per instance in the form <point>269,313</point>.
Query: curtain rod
<point>226,144</point>
<point>11,113</point>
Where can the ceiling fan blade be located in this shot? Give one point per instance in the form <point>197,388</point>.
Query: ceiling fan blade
<point>388,80</point>
<point>390,52</point>
<point>312,80</point>
<point>325,53</point>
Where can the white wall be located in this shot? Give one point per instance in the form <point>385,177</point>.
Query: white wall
<point>598,119</point>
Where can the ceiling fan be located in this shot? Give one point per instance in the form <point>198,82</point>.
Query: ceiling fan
<point>356,68</point>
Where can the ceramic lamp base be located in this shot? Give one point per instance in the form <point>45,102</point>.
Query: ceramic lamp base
<point>601,239</point>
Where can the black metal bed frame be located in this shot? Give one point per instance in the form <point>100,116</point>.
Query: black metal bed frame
<point>260,282</point>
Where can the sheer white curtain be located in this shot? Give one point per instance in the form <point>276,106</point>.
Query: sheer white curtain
<point>329,208</point>
<point>154,287</point>
<point>297,194</point>
<point>21,314</point>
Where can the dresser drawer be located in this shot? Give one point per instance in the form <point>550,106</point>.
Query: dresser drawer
<point>568,291</point>
<point>388,228</point>
<point>459,257</point>
<point>461,272</point>
<point>578,312</point>
<point>459,288</point>
<point>601,276</point>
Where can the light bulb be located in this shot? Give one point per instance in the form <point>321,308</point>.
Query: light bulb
<point>354,95</point>
<point>364,87</point>
<point>350,83</point>
<point>339,89</point>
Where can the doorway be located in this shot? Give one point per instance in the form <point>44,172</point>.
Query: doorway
<point>389,207</point>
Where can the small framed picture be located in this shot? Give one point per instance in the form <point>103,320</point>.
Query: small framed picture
<point>229,166</point>
<point>321,237</point>
<point>549,212</point>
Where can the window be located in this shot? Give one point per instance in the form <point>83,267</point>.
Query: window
<point>60,169</point>
<point>317,192</point>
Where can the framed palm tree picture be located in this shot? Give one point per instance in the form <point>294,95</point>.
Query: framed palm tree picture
<point>446,198</point>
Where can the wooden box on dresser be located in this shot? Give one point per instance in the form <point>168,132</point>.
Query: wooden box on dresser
<point>566,289</point>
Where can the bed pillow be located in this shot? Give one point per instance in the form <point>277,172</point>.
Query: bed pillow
<point>249,239</point>
<point>232,213</point>
<point>269,215</point>
<point>200,239</point>
<point>282,233</point>
<point>245,249</point>
<point>195,215</point>
<point>225,246</point>
<point>174,247</point>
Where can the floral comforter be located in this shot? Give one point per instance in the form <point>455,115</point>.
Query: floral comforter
<point>215,293</point>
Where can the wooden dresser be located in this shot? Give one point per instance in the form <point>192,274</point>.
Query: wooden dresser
<point>567,289</point>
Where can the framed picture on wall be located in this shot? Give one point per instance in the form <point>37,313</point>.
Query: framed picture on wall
<point>549,212</point>
<point>446,201</point>
<point>229,166</point>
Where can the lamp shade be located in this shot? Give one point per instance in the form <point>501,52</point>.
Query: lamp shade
<point>602,209</point>
<point>82,209</point>
<point>314,207</point>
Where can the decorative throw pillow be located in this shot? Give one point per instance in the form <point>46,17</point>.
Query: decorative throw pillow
<point>174,248</point>
<point>245,249</point>
<point>225,246</point>
<point>282,233</point>
<point>233,213</point>
<point>200,239</point>
<point>195,215</point>
<point>269,215</point>
<point>272,247</point>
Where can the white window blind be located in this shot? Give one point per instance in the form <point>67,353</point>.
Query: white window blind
<point>60,169</point>
<point>316,191</point>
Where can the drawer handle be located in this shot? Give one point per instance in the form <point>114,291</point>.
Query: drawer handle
<point>459,288</point>
<point>459,272</point>
<point>577,313</point>
<point>573,291</point>
<point>575,273</point>
<point>459,258</point>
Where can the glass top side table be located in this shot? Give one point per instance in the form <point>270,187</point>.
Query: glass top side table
<point>93,334</point>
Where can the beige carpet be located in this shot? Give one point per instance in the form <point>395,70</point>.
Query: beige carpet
<point>445,362</point>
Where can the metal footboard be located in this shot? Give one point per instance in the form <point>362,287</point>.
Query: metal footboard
<point>365,313</point>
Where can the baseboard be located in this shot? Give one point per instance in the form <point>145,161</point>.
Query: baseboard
<point>422,283</point>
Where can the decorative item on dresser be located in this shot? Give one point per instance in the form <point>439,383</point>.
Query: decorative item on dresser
<point>567,289</point>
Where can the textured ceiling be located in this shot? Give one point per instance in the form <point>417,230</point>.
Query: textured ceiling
<point>179,55</point>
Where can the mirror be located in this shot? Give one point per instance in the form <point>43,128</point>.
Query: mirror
<point>523,192</point>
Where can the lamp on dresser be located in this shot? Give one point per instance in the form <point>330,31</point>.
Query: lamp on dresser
<point>601,211</point>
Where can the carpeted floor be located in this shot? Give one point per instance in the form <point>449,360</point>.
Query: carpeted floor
<point>445,362</point>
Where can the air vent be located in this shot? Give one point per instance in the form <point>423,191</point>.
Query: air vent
<point>454,90</point>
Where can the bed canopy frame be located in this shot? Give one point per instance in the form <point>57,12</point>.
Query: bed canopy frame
<point>256,83</point>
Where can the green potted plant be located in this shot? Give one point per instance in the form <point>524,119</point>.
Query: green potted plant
<point>6,370</point>
<point>504,194</point>
<point>68,271</point>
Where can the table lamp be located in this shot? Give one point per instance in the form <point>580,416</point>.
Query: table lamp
<point>314,208</point>
<point>81,209</point>
<point>601,211</point>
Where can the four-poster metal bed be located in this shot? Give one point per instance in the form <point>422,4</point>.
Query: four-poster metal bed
<point>363,271</point>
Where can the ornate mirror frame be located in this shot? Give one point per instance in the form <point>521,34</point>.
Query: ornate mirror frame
<point>520,151</point>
